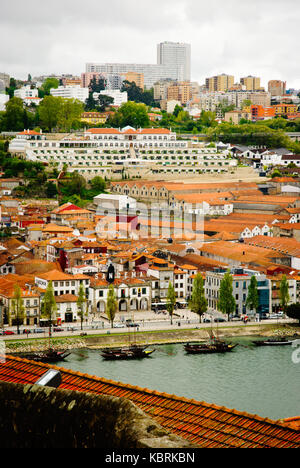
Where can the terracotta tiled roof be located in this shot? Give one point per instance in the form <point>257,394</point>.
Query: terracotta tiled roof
<point>207,425</point>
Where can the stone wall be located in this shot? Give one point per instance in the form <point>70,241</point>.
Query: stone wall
<point>33,416</point>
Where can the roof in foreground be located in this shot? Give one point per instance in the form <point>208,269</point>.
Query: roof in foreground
<point>207,425</point>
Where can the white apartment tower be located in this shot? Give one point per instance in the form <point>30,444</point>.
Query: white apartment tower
<point>176,55</point>
<point>173,63</point>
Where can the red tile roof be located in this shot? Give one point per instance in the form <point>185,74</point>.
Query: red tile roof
<point>207,425</point>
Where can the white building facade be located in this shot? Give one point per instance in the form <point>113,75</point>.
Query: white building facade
<point>70,92</point>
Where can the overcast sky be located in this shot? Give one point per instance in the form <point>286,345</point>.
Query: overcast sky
<point>238,37</point>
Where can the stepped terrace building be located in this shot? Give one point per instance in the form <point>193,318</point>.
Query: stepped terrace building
<point>132,152</point>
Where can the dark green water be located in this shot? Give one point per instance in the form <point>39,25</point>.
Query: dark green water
<point>259,380</point>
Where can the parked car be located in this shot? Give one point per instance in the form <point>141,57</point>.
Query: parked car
<point>72,328</point>
<point>26,331</point>
<point>276,316</point>
<point>206,320</point>
<point>119,325</point>
<point>130,323</point>
<point>58,329</point>
<point>236,318</point>
<point>8,332</point>
<point>219,319</point>
<point>38,330</point>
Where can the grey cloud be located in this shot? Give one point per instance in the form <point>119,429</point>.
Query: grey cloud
<point>233,36</point>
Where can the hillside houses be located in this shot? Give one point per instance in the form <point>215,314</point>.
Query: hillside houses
<point>195,227</point>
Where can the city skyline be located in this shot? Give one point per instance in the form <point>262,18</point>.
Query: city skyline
<point>239,40</point>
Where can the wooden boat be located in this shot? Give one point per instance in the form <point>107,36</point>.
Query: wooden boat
<point>129,352</point>
<point>273,342</point>
<point>50,355</point>
<point>214,346</point>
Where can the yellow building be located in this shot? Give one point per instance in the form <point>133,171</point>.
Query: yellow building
<point>219,83</point>
<point>252,83</point>
<point>94,118</point>
<point>235,116</point>
<point>180,92</point>
<point>137,78</point>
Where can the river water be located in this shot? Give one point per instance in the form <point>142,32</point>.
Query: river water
<point>259,380</point>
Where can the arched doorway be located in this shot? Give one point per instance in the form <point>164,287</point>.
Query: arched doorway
<point>123,305</point>
<point>144,304</point>
<point>101,307</point>
<point>134,304</point>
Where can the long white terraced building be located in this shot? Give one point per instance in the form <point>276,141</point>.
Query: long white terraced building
<point>115,153</point>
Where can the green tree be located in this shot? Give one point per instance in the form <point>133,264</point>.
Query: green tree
<point>252,300</point>
<point>48,84</point>
<point>96,85</point>
<point>226,303</point>
<point>75,184</point>
<point>293,311</point>
<point>82,304</point>
<point>51,190</point>
<point>17,307</point>
<point>111,305</point>
<point>171,300</point>
<point>12,87</point>
<point>59,112</point>
<point>132,114</point>
<point>15,116</point>
<point>198,302</point>
<point>98,184</point>
<point>134,92</point>
<point>49,112</point>
<point>48,306</point>
<point>70,110</point>
<point>284,293</point>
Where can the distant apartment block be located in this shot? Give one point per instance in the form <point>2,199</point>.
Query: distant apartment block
<point>71,81</point>
<point>173,63</point>
<point>71,92</point>
<point>262,113</point>
<point>5,78</point>
<point>277,87</point>
<point>181,92</point>
<point>219,82</point>
<point>4,98</point>
<point>236,116</point>
<point>118,97</point>
<point>26,92</point>
<point>251,83</point>
<point>240,283</point>
<point>137,78</point>
<point>178,54</point>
